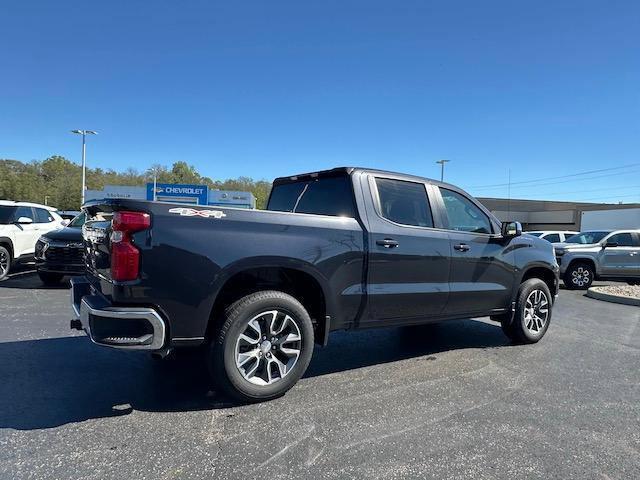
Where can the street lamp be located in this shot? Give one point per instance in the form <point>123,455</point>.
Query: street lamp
<point>84,133</point>
<point>442,162</point>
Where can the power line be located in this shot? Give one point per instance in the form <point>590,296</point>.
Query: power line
<point>558,182</point>
<point>557,177</point>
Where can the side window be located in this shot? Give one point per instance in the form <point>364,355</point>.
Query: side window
<point>23,212</point>
<point>622,239</point>
<point>553,237</point>
<point>404,202</point>
<point>43,216</point>
<point>463,214</point>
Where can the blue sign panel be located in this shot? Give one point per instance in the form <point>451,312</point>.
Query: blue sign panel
<point>171,192</point>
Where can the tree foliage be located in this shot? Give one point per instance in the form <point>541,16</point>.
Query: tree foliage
<point>56,181</point>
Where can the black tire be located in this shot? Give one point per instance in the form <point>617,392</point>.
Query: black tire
<point>579,276</point>
<point>5,262</point>
<point>516,329</point>
<point>49,278</point>
<point>222,360</point>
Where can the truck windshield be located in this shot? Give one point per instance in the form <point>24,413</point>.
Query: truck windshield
<point>586,237</point>
<point>6,215</point>
<point>319,196</point>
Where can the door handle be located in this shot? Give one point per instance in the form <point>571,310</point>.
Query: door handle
<point>387,243</point>
<point>463,247</point>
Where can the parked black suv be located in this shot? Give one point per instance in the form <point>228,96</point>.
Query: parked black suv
<point>346,248</point>
<point>60,252</point>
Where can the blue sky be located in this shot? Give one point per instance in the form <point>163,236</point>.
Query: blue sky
<point>264,89</point>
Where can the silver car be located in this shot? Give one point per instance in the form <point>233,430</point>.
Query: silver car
<point>599,254</point>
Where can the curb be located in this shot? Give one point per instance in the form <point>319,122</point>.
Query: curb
<point>607,297</point>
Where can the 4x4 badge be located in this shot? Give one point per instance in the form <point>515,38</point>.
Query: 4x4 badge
<point>190,212</point>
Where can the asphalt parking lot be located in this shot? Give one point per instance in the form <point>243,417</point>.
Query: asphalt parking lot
<point>447,401</point>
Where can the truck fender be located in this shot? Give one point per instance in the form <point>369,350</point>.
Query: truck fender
<point>251,263</point>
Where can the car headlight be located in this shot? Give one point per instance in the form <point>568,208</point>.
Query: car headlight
<point>559,253</point>
<point>41,246</point>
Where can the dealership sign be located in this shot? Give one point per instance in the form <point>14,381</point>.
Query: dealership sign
<point>179,193</point>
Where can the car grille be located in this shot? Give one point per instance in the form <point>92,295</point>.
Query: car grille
<point>64,255</point>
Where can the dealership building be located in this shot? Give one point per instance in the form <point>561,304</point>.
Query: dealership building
<point>177,193</point>
<point>546,214</point>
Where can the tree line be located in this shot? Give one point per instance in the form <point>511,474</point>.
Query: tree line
<point>56,181</point>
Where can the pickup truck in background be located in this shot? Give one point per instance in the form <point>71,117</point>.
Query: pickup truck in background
<point>341,249</point>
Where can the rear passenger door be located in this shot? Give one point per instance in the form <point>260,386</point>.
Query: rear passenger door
<point>408,269</point>
<point>482,264</point>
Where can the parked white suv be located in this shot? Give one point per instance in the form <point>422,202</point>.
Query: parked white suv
<point>553,236</point>
<point>21,224</point>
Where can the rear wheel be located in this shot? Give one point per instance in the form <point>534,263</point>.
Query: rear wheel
<point>533,313</point>
<point>49,278</point>
<point>5,262</point>
<point>263,347</point>
<point>579,276</point>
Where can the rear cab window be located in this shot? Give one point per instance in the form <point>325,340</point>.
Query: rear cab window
<point>324,195</point>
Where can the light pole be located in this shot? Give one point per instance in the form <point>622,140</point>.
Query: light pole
<point>84,133</point>
<point>442,162</point>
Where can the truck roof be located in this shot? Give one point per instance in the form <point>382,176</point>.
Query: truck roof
<point>350,170</point>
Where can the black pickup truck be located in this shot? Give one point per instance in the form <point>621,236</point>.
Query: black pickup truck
<point>345,248</point>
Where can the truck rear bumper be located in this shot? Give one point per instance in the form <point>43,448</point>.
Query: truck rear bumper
<point>129,328</point>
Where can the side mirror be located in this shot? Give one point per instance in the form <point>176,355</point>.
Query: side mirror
<point>610,244</point>
<point>511,229</point>
<point>65,222</point>
<point>25,220</point>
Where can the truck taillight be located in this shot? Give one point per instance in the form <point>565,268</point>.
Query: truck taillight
<point>125,256</point>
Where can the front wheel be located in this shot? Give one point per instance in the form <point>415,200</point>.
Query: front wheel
<point>263,347</point>
<point>579,276</point>
<point>533,313</point>
<point>5,262</point>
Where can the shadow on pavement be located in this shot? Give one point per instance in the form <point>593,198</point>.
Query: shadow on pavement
<point>25,277</point>
<point>51,382</point>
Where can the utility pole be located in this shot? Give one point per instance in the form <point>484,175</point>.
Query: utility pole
<point>84,133</point>
<point>442,162</point>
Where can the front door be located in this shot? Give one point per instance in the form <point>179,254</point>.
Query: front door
<point>482,264</point>
<point>408,259</point>
<point>620,255</point>
<point>26,234</point>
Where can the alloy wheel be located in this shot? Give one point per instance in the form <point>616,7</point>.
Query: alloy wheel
<point>581,276</point>
<point>536,312</point>
<point>268,348</point>
<point>4,263</point>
